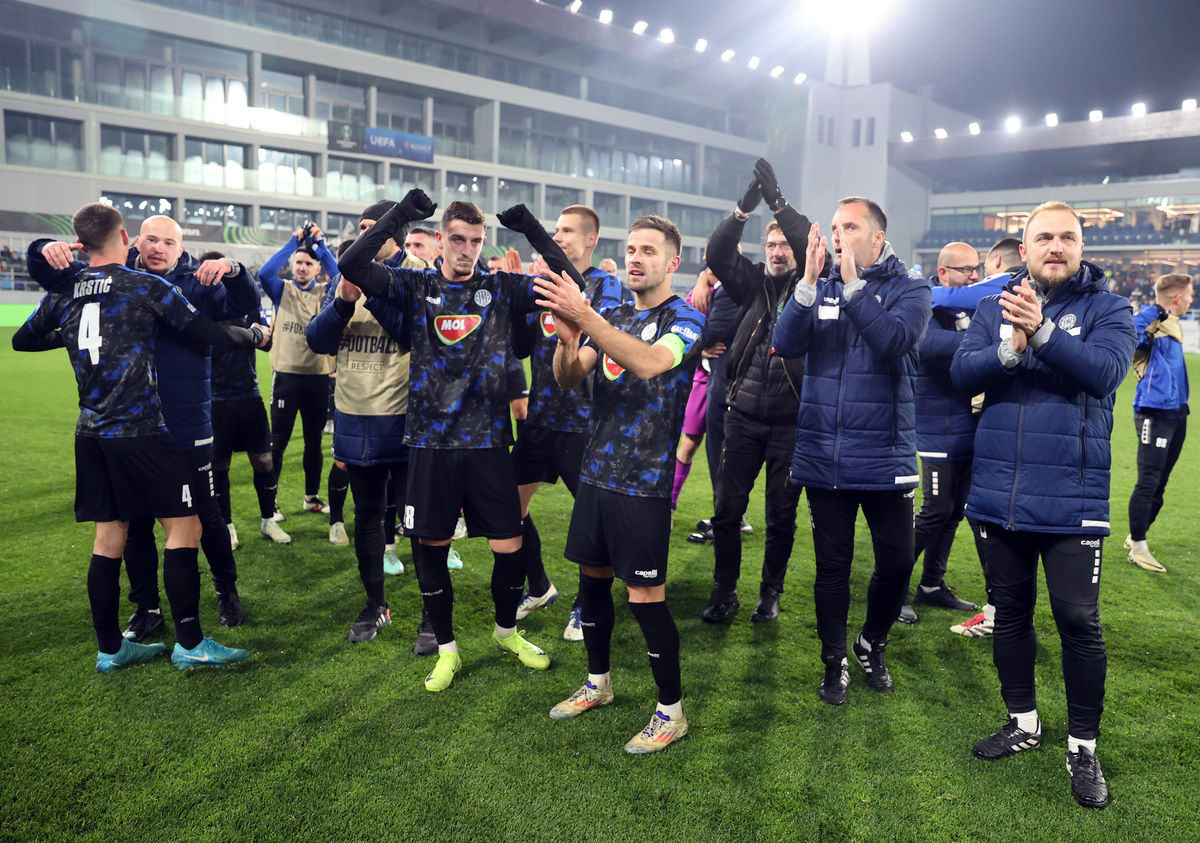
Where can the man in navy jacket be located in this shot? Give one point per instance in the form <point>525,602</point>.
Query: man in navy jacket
<point>1049,354</point>
<point>856,440</point>
<point>1160,408</point>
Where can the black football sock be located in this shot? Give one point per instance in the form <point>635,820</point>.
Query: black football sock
<point>181,578</point>
<point>339,482</point>
<point>141,563</point>
<point>390,512</point>
<point>662,641</point>
<point>265,486</point>
<point>531,558</point>
<point>508,581</point>
<point>598,616</point>
<point>221,479</point>
<point>437,591</point>
<point>104,593</point>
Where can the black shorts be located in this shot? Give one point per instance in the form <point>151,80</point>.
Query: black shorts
<point>542,455</point>
<point>630,533</point>
<point>240,424</point>
<point>480,482</point>
<point>133,477</point>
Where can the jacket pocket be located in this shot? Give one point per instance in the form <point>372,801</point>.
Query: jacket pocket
<point>1082,450</point>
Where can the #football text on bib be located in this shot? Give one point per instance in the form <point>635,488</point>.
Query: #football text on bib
<point>452,329</point>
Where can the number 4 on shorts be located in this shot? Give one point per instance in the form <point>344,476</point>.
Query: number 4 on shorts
<point>187,495</point>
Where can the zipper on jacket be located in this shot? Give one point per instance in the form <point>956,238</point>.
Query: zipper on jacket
<point>1012,506</point>
<point>1083,446</point>
<point>736,383</point>
<point>837,436</point>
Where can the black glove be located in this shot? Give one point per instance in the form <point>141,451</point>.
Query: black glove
<point>257,334</point>
<point>519,219</point>
<point>768,185</point>
<point>750,198</point>
<point>416,205</point>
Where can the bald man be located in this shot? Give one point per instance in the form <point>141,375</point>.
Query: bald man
<point>945,436</point>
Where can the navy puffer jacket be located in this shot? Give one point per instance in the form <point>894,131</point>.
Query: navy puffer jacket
<point>1042,448</point>
<point>856,428</point>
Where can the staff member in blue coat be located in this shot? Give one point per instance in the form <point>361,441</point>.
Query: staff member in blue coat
<point>1049,353</point>
<point>1160,408</point>
<point>856,440</point>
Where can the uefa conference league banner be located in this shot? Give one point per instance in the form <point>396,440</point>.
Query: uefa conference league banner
<point>344,137</point>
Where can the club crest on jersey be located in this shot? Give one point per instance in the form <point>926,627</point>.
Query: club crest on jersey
<point>1067,322</point>
<point>548,324</point>
<point>483,298</point>
<point>649,331</point>
<point>612,370</point>
<point>452,329</point>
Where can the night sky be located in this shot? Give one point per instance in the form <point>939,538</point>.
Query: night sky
<point>984,57</point>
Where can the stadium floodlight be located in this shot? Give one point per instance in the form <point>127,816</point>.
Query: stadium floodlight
<point>800,77</point>
<point>1096,115</point>
<point>973,128</point>
<point>1051,119</point>
<point>701,46</point>
<point>640,27</point>
<point>727,55</point>
<point>1139,109</point>
<point>1189,105</point>
<point>1012,124</point>
<point>753,63</point>
<point>575,6</point>
<point>940,134</point>
<point>606,16</point>
<point>777,71</point>
<point>906,137</point>
<point>667,36</point>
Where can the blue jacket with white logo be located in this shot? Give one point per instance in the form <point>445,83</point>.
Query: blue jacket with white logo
<point>1042,448</point>
<point>945,423</point>
<point>856,427</point>
<point>1165,384</point>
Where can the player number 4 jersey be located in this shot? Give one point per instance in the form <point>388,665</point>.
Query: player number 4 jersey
<point>636,423</point>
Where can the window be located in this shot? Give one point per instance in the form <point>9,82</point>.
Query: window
<point>642,207</point>
<point>870,131</point>
<point>137,208</point>
<point>454,129</point>
<point>281,171</point>
<point>511,193</point>
<point>341,225</point>
<point>213,213</point>
<point>284,219</point>
<point>607,248</point>
<point>856,132</point>
<point>403,179</point>
<point>214,164</point>
<point>282,92</point>
<point>35,67</point>
<point>352,180</point>
<point>467,188</point>
<point>558,198</point>
<point>341,103</point>
<point>400,113</point>
<point>135,154</point>
<point>32,141</point>
<point>694,222</point>
<point>608,207</point>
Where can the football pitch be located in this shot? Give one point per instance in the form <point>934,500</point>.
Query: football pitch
<point>317,739</point>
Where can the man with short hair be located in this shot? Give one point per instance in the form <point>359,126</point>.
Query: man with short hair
<point>639,358</point>
<point>608,265</point>
<point>458,429</point>
<point>301,377</point>
<point>551,442</point>
<point>763,398</point>
<point>1048,356</point>
<point>1160,408</point>
<point>421,243</point>
<point>127,465</point>
<point>856,438</point>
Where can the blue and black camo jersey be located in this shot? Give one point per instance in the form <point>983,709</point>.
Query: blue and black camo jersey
<point>109,316</point>
<point>551,406</point>
<point>458,387</point>
<point>235,372</point>
<point>636,423</point>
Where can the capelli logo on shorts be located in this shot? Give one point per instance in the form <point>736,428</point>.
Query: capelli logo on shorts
<point>1093,543</point>
<point>647,574</point>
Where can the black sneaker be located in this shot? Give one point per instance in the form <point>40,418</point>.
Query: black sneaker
<point>426,641</point>
<point>768,605</point>
<point>1087,780</point>
<point>703,535</point>
<point>370,619</point>
<point>942,598</point>
<point>833,687</point>
<point>721,605</point>
<point>907,615</point>
<point>229,609</point>
<point>1009,740</point>
<point>872,662</point>
<point>142,623</point>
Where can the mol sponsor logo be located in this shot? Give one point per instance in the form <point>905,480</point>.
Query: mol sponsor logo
<point>612,370</point>
<point>548,324</point>
<point>452,329</point>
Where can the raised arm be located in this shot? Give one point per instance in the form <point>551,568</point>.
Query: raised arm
<point>268,273</point>
<point>51,262</point>
<point>520,219</point>
<point>227,337</point>
<point>358,262</point>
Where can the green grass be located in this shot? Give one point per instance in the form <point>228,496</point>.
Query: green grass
<point>317,739</point>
